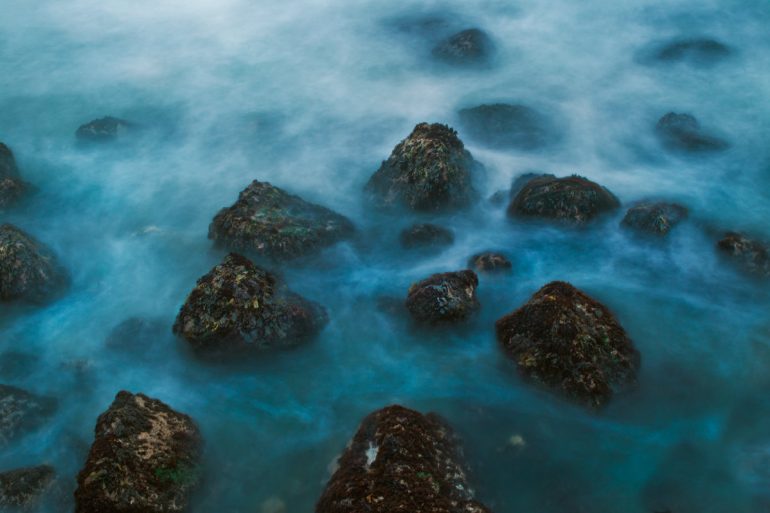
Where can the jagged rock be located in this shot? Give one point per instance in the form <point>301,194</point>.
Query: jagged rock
<point>696,50</point>
<point>11,186</point>
<point>444,297</point>
<point>21,488</point>
<point>401,460</point>
<point>656,218</point>
<point>22,412</point>
<point>28,269</point>
<point>429,170</point>
<point>268,221</point>
<point>471,47</point>
<point>748,254</point>
<point>574,199</point>
<point>571,343</point>
<point>682,132</point>
<point>238,305</point>
<point>145,459</point>
<point>506,126</point>
<point>489,262</point>
<point>423,235</point>
<point>103,130</point>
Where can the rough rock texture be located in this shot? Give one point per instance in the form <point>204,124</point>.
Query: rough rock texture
<point>696,51</point>
<point>471,47</point>
<point>444,297</point>
<point>103,130</point>
<point>574,199</point>
<point>144,459</point>
<point>682,132</point>
<point>28,269</point>
<point>489,262</point>
<point>429,170</point>
<point>748,254</point>
<point>21,488</point>
<point>400,461</point>
<point>571,343</point>
<point>22,412</point>
<point>506,126</point>
<point>11,186</point>
<point>424,235</point>
<point>238,305</point>
<point>656,218</point>
<point>268,221</point>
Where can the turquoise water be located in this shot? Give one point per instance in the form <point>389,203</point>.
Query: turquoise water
<point>311,96</point>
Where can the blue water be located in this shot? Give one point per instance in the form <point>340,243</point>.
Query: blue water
<point>311,96</point>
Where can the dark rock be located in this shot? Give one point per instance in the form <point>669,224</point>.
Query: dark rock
<point>134,334</point>
<point>21,488</point>
<point>238,305</point>
<point>11,186</point>
<point>471,47</point>
<point>500,198</point>
<point>696,51</point>
<point>569,342</point>
<point>656,218</point>
<point>28,269</point>
<point>489,262</point>
<point>574,199</point>
<point>144,459</point>
<point>429,170</point>
<point>22,412</point>
<point>424,235</point>
<point>682,132</point>
<point>268,221</point>
<point>103,130</point>
<point>748,254</point>
<point>506,126</point>
<point>520,181</point>
<point>401,460</point>
<point>444,297</point>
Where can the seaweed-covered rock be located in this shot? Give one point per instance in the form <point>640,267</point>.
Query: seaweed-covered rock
<point>145,459</point>
<point>748,254</point>
<point>505,126</point>
<point>424,235</point>
<point>11,186</point>
<point>682,132</point>
<point>268,221</point>
<point>401,460</point>
<point>471,47</point>
<point>574,199</point>
<point>654,217</point>
<point>103,130</point>
<point>489,262</point>
<point>22,412</point>
<point>695,50</point>
<point>28,269</point>
<point>571,343</point>
<point>22,487</point>
<point>238,305</point>
<point>444,297</point>
<point>429,170</point>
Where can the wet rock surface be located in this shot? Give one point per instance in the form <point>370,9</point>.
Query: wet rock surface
<point>401,460</point>
<point>144,459</point>
<point>269,222</point>
<point>22,412</point>
<point>426,235</point>
<point>470,47</point>
<point>21,488</point>
<point>429,170</point>
<point>682,132</point>
<point>28,269</point>
<point>750,255</point>
<point>444,297</point>
<point>103,130</point>
<point>657,218</point>
<point>489,262</point>
<point>11,186</point>
<point>570,343</point>
<point>239,306</point>
<point>506,126</point>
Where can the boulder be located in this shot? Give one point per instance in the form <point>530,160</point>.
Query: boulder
<point>470,47</point>
<point>401,460</point>
<point>444,297</point>
<point>145,459</point>
<point>655,218</point>
<point>489,262</point>
<point>425,235</point>
<point>103,130</point>
<point>429,170</point>
<point>238,305</point>
<point>694,50</point>
<point>28,269</point>
<point>504,126</point>
<point>750,255</point>
<point>21,488</point>
<point>270,222</point>
<point>571,343</point>
<point>22,412</point>
<point>682,132</point>
<point>11,186</point>
<point>573,199</point>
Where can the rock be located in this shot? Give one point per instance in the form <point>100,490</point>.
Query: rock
<point>135,334</point>
<point>28,269</point>
<point>269,222</point>
<point>682,132</point>
<point>574,199</point>
<point>569,342</point>
<point>654,217</point>
<point>471,47</point>
<point>695,51</point>
<point>748,254</point>
<point>520,181</point>
<point>22,412</point>
<point>238,305</point>
<point>145,459</point>
<point>424,235</point>
<point>21,488</point>
<point>103,130</point>
<point>401,460</point>
<point>429,170</point>
<point>444,297</point>
<point>489,262</point>
<point>11,186</point>
<point>505,126</point>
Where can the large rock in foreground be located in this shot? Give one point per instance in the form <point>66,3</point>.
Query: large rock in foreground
<point>22,412</point>
<point>268,221</point>
<point>657,218</point>
<point>748,254</point>
<point>444,297</point>
<point>682,132</point>
<point>429,170</point>
<point>574,199</point>
<point>11,186</point>
<point>144,459</point>
<point>471,47</point>
<point>570,343</point>
<point>238,305</point>
<point>400,461</point>
<point>21,488</point>
<point>28,269</point>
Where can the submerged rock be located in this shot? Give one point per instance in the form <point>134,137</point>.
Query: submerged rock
<point>571,343</point>
<point>103,130</point>
<point>748,254</point>
<point>574,199</point>
<point>21,488</point>
<point>135,334</point>
<point>144,459</point>
<point>444,297</point>
<point>489,262</point>
<point>696,51</point>
<point>238,305</point>
<point>401,460</point>
<point>429,170</point>
<point>28,269</point>
<point>655,217</point>
<point>505,126</point>
<point>682,132</point>
<point>425,235</point>
<point>22,412</point>
<point>270,222</point>
<point>11,186</point>
<point>471,47</point>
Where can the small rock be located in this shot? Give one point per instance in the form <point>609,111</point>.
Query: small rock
<point>22,412</point>
<point>489,262</point>
<point>682,132</point>
<point>505,126</point>
<point>695,51</point>
<point>656,218</point>
<point>103,130</point>
<point>748,254</point>
<point>11,186</point>
<point>21,488</point>
<point>28,269</point>
<point>134,334</point>
<point>471,47</point>
<point>444,297</point>
<point>424,235</point>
